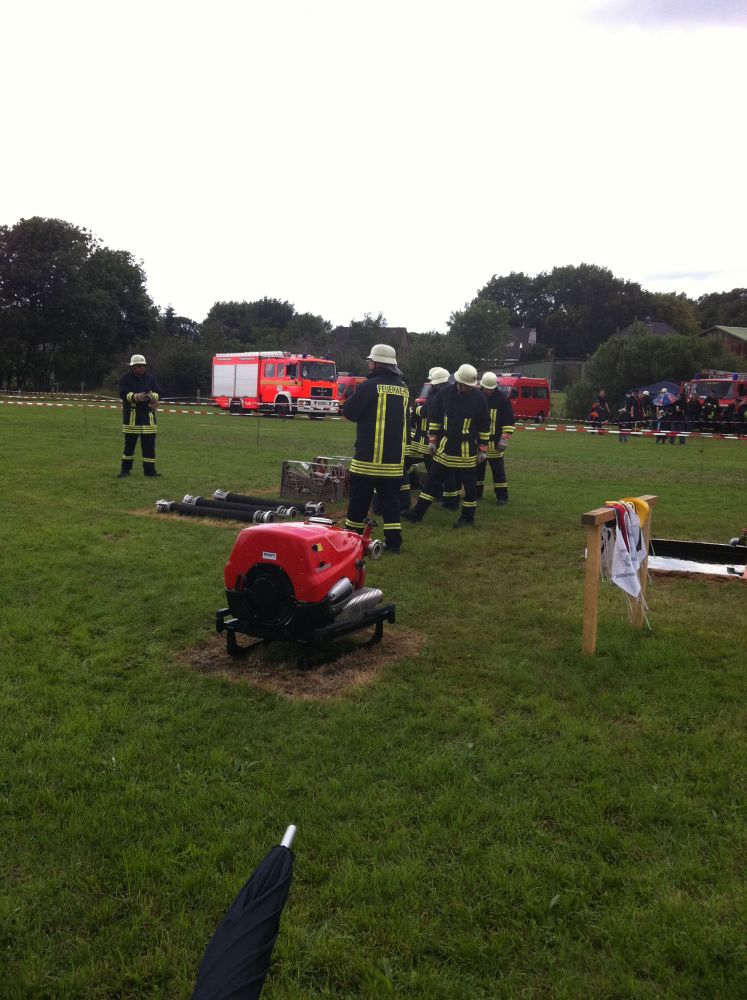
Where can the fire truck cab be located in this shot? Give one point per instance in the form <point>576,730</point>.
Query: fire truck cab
<point>275,382</point>
<point>729,387</point>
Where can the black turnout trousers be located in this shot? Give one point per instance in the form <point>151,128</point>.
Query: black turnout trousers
<point>361,493</point>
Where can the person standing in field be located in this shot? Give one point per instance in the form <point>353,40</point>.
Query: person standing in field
<point>139,393</point>
<point>502,426</point>
<point>603,406</point>
<point>458,433</point>
<point>380,409</point>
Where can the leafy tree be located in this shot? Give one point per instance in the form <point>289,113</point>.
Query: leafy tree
<point>248,322</point>
<point>676,309</point>
<point>723,308</point>
<point>426,351</point>
<point>174,327</point>
<point>67,304</point>
<point>521,295</point>
<point>482,327</point>
<point>309,333</point>
<point>624,363</point>
<point>573,308</point>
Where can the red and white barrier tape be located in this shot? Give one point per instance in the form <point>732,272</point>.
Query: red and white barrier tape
<point>566,428</point>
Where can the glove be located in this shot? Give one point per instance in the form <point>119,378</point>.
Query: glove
<point>140,397</point>
<point>482,456</point>
<point>432,446</point>
<point>503,443</point>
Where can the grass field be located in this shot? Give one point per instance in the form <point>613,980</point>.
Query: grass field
<point>494,816</point>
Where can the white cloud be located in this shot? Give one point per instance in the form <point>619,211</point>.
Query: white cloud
<point>389,157</point>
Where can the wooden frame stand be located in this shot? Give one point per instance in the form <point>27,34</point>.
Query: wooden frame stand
<point>593,520</point>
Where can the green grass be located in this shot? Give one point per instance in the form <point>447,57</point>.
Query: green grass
<point>496,817</point>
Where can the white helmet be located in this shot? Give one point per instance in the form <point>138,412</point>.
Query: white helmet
<point>466,374</point>
<point>438,376</point>
<point>383,354</point>
<point>489,381</point>
<point>430,373</point>
<point>137,359</point>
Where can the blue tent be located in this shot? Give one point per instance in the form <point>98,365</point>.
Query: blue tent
<point>656,387</point>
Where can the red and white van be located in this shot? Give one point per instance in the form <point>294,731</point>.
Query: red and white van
<point>275,382</point>
<point>530,397</point>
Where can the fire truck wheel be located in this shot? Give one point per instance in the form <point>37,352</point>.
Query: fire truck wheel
<point>282,408</point>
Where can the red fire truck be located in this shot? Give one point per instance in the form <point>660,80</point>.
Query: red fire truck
<point>275,382</point>
<point>730,387</point>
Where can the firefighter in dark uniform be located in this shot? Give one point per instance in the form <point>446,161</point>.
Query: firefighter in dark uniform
<point>380,409</point>
<point>139,393</point>
<point>502,426</point>
<point>437,377</point>
<point>458,428</point>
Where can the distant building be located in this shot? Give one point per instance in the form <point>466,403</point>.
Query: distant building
<point>521,337</point>
<point>733,338</point>
<point>647,325</point>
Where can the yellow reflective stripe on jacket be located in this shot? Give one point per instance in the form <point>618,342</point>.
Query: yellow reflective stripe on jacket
<point>455,461</point>
<point>379,432</point>
<point>376,469</point>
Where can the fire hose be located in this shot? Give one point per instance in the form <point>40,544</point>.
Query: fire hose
<point>266,502</point>
<point>222,513</point>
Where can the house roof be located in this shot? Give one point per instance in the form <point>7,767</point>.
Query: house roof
<point>655,329</point>
<point>740,332</point>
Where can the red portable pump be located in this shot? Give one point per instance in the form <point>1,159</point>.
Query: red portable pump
<point>301,583</point>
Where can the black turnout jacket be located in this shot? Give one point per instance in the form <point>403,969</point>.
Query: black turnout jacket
<point>138,418</point>
<point>379,407</point>
<point>502,420</point>
<point>462,421</point>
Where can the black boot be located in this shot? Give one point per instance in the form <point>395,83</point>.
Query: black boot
<point>417,512</point>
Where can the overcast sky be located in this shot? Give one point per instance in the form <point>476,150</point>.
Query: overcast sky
<point>382,157</point>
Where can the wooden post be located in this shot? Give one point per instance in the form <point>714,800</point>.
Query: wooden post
<point>638,617</point>
<point>593,521</point>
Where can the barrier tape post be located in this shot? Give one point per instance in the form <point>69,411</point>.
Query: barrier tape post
<point>593,520</point>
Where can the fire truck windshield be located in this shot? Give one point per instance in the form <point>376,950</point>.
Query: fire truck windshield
<point>722,388</point>
<point>319,371</point>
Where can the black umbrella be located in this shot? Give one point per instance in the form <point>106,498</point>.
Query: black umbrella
<point>238,956</point>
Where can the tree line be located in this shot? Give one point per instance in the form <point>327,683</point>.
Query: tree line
<point>72,311</point>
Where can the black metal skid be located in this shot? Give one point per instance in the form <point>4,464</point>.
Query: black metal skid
<point>225,622</point>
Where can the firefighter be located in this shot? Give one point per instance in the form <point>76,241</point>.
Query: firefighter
<point>502,426</point>
<point>458,432</point>
<point>416,447</point>
<point>449,495</point>
<point>711,414</point>
<point>379,408</point>
<point>603,406</point>
<point>139,393</point>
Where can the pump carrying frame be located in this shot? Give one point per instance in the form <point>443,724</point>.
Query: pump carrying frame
<point>306,641</point>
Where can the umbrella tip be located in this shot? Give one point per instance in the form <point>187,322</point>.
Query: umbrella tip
<point>288,837</point>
